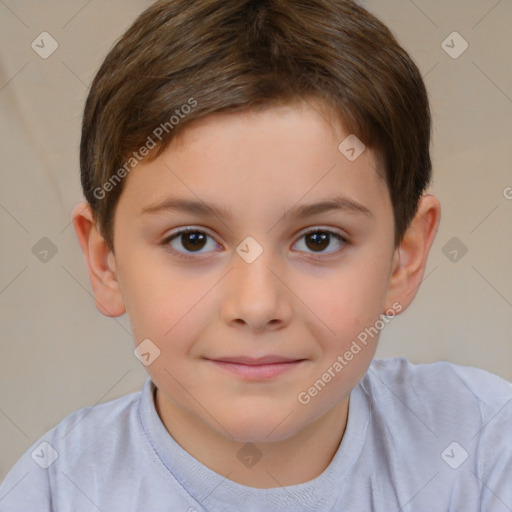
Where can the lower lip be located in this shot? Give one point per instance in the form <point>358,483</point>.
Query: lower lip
<point>257,372</point>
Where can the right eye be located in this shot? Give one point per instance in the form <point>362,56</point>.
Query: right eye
<point>188,241</point>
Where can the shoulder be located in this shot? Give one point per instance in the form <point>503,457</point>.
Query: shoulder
<point>449,379</point>
<point>97,422</point>
<point>448,399</point>
<point>450,414</point>
<point>441,385</point>
<point>89,436</point>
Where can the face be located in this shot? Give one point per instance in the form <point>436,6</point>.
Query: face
<point>251,293</point>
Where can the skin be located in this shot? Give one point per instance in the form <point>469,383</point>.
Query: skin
<point>295,299</point>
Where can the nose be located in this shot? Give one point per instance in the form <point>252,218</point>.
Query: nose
<point>255,296</point>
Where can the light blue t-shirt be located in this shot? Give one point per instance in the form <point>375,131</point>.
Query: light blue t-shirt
<point>429,437</point>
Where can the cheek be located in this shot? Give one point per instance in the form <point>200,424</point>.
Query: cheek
<point>153,298</point>
<point>348,302</point>
<point>165,304</point>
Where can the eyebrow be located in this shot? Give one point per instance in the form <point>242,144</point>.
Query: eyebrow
<point>211,209</point>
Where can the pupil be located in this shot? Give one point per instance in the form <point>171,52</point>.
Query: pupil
<point>319,240</point>
<point>193,240</point>
<point>315,241</point>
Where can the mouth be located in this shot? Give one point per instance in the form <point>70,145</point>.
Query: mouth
<point>261,368</point>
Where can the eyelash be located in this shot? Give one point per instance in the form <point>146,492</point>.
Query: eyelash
<point>189,256</point>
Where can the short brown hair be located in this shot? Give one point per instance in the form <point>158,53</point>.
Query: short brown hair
<point>214,56</point>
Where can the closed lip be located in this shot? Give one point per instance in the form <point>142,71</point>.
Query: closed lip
<point>256,361</point>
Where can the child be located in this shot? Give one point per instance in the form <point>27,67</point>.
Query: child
<point>255,176</point>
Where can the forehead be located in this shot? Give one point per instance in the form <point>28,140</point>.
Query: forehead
<point>258,158</point>
<point>291,121</point>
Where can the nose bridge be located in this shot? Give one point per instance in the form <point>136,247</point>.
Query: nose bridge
<point>252,276</point>
<point>256,295</point>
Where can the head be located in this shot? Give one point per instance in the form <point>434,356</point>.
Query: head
<point>254,111</point>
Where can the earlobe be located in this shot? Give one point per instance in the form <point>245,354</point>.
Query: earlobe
<point>410,258</point>
<point>100,260</point>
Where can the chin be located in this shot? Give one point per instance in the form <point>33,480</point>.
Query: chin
<point>262,426</point>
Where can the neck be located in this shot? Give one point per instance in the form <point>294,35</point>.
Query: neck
<point>291,461</point>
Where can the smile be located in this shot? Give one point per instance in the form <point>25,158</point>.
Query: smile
<point>263,368</point>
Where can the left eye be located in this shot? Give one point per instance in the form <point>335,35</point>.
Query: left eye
<point>193,240</point>
<point>318,240</point>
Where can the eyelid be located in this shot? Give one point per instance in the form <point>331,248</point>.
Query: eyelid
<point>306,231</point>
<point>342,238</point>
<point>323,255</point>
<point>181,231</point>
<point>327,229</point>
<point>187,229</point>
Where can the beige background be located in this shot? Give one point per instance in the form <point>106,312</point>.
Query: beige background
<point>59,354</point>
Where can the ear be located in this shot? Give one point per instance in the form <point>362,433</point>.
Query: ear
<point>101,263</point>
<point>410,258</point>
